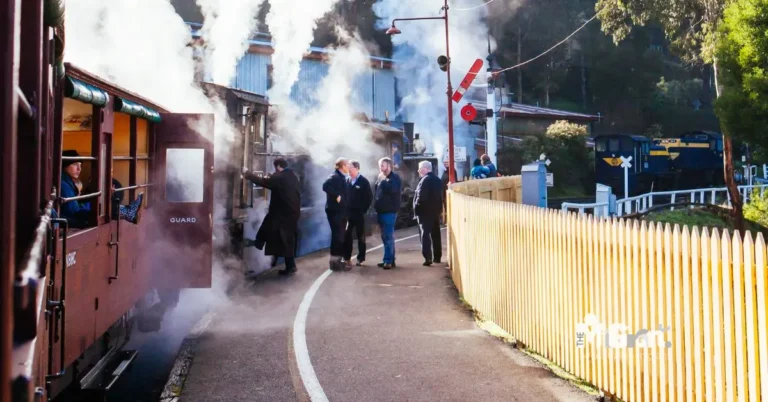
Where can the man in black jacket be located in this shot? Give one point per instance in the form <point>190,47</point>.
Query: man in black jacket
<point>279,227</point>
<point>427,205</point>
<point>335,188</point>
<point>360,197</point>
<point>387,204</point>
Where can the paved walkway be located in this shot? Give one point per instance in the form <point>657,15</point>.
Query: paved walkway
<point>370,335</point>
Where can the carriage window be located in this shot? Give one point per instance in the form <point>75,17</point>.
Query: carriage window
<point>600,145</point>
<point>613,145</point>
<point>185,173</point>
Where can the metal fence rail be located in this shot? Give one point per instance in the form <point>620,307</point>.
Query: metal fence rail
<point>540,273</point>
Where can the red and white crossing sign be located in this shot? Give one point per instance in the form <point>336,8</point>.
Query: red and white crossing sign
<point>467,81</point>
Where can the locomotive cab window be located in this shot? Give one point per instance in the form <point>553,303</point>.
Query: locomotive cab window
<point>600,146</point>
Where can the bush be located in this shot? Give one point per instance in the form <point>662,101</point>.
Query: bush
<point>757,209</point>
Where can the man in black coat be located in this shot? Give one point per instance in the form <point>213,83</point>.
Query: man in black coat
<point>360,198</point>
<point>427,205</point>
<point>278,230</point>
<point>335,188</point>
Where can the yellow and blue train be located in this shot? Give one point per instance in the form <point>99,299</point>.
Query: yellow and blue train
<point>689,160</point>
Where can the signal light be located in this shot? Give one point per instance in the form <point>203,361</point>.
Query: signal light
<point>443,62</point>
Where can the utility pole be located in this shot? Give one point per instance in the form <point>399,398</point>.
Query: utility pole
<point>490,109</point>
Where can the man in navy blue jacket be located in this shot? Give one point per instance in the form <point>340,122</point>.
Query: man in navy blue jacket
<point>387,204</point>
<point>427,205</point>
<point>335,188</point>
<point>360,198</point>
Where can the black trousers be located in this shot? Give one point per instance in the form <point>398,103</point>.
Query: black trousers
<point>356,226</point>
<point>338,222</point>
<point>431,242</point>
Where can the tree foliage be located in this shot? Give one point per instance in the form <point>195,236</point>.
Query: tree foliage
<point>743,54</point>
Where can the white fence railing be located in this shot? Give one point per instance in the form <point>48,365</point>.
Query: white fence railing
<point>644,202</point>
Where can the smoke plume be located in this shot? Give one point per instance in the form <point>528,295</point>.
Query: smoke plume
<point>227,28</point>
<point>421,83</point>
<point>292,25</point>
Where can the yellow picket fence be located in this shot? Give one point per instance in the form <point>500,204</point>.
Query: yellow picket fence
<point>538,273</point>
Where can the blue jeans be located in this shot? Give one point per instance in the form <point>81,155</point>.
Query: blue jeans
<point>387,225</point>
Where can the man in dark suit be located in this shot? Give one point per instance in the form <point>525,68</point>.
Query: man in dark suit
<point>335,188</point>
<point>278,230</point>
<point>427,205</point>
<point>360,198</point>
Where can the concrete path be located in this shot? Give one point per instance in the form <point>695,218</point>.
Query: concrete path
<point>370,335</point>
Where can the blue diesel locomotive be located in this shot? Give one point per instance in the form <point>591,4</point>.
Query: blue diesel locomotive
<point>689,160</point>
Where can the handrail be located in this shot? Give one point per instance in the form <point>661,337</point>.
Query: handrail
<point>80,197</point>
<point>60,305</point>
<point>134,187</point>
<point>24,104</point>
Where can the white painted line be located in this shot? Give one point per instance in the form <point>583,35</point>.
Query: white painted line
<point>306,371</point>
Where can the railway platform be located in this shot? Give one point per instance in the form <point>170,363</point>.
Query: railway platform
<point>363,335</point>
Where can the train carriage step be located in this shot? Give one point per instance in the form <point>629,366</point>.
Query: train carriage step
<point>95,386</point>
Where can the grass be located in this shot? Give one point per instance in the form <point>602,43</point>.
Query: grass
<point>701,218</point>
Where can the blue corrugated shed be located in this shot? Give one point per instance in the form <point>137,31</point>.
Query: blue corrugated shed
<point>373,93</point>
<point>252,73</point>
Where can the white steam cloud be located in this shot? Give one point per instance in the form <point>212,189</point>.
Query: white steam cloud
<point>227,28</point>
<point>292,25</point>
<point>420,81</point>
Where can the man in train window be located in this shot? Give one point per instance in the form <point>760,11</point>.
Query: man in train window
<point>76,212</point>
<point>278,229</point>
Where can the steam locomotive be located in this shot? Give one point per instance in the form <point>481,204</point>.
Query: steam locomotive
<point>689,160</point>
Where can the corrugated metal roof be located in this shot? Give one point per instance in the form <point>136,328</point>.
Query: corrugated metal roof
<point>381,127</point>
<point>520,110</point>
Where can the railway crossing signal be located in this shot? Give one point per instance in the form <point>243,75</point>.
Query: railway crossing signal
<point>625,163</point>
<point>468,112</point>
<point>467,81</point>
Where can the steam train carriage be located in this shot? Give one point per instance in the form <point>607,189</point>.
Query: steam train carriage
<point>690,160</point>
<point>79,288</point>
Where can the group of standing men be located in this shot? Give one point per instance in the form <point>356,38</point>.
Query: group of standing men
<point>349,196</point>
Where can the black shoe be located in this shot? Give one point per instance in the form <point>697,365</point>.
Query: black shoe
<point>287,272</point>
<point>427,263</point>
<point>437,261</point>
<point>381,264</point>
<point>388,266</point>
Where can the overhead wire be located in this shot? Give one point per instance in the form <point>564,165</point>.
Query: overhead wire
<point>473,7</point>
<point>551,48</point>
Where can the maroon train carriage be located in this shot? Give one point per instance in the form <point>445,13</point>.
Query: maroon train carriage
<point>70,296</point>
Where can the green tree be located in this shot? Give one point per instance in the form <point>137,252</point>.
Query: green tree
<point>743,54</point>
<point>692,29</point>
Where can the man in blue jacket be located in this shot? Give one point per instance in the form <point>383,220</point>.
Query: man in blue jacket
<point>360,198</point>
<point>427,205</point>
<point>387,204</point>
<point>335,188</point>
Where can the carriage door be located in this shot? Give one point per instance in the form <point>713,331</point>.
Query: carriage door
<point>183,241</point>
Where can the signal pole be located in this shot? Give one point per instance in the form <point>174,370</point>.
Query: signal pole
<point>445,65</point>
<point>490,111</point>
